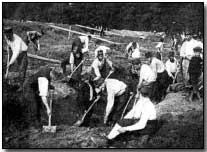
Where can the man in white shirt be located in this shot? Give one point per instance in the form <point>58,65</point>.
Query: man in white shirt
<point>99,65</point>
<point>147,78</point>
<point>36,92</point>
<point>160,47</point>
<point>162,78</point>
<point>76,58</point>
<point>19,52</point>
<point>117,96</point>
<point>172,65</point>
<point>82,42</point>
<point>142,118</point>
<point>186,53</point>
<point>132,50</point>
<point>34,37</point>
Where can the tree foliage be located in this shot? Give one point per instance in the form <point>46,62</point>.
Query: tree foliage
<point>169,17</point>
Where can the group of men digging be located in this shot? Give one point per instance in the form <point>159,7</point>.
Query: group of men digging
<point>154,79</point>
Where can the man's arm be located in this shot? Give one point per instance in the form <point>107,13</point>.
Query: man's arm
<point>71,61</point>
<point>110,64</point>
<point>110,103</point>
<point>85,49</point>
<point>15,52</point>
<point>141,123</point>
<point>96,70</point>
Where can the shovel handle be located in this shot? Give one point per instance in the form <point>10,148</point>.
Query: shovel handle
<point>122,115</point>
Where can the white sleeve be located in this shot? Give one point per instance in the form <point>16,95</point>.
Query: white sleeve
<point>71,61</point>
<point>96,69</point>
<point>85,49</point>
<point>15,52</point>
<point>110,101</point>
<point>142,122</point>
<point>167,67</point>
<point>128,46</point>
<point>43,84</point>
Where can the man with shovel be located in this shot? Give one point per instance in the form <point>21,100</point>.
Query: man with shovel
<point>117,96</point>
<point>141,118</point>
<point>19,53</point>
<point>35,92</point>
<point>34,37</point>
<point>75,60</point>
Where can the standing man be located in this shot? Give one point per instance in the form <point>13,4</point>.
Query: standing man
<point>117,96</point>
<point>172,65</point>
<point>76,57</point>
<point>162,78</point>
<point>35,92</point>
<point>147,79</point>
<point>99,65</point>
<point>34,37</point>
<point>160,48</point>
<point>19,50</point>
<point>132,50</point>
<point>82,43</point>
<point>186,53</point>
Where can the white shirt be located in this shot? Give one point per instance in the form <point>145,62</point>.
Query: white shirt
<point>114,88</point>
<point>135,52</point>
<point>159,46</point>
<point>171,67</point>
<point>157,66</point>
<point>147,74</point>
<point>186,49</point>
<point>144,110</point>
<point>17,46</point>
<point>103,48</point>
<point>85,41</point>
<point>97,65</point>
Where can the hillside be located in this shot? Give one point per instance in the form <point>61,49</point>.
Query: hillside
<point>182,121</point>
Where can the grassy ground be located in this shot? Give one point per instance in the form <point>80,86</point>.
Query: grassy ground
<point>183,120</point>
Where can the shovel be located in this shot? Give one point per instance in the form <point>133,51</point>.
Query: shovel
<point>130,98</point>
<point>49,128</point>
<point>70,76</point>
<point>79,122</point>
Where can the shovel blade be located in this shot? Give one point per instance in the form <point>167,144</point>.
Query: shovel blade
<point>51,129</point>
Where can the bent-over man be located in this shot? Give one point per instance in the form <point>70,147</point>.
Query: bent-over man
<point>19,53</point>
<point>35,92</point>
<point>34,37</point>
<point>117,96</point>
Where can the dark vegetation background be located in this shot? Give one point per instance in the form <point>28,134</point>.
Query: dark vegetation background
<point>165,17</point>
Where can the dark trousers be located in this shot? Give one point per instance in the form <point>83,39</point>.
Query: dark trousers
<point>162,83</point>
<point>149,129</point>
<point>84,102</point>
<point>33,103</point>
<point>22,63</point>
<point>119,105</point>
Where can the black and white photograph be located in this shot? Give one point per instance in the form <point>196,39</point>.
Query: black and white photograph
<point>102,75</point>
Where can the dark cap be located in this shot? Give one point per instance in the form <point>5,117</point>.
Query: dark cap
<point>144,91</point>
<point>197,49</point>
<point>171,54</point>
<point>136,61</point>
<point>148,55</point>
<point>8,30</point>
